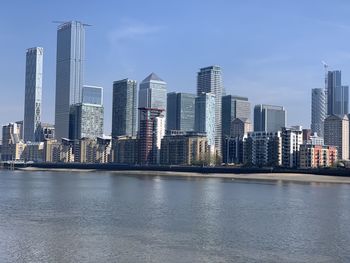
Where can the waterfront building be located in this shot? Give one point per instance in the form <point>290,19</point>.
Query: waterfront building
<point>52,151</point>
<point>84,150</point>
<point>336,133</point>
<point>292,138</point>
<point>205,117</point>
<point>125,150</point>
<point>263,149</point>
<point>318,110</point>
<point>232,152</point>
<point>180,111</point>
<point>20,126</point>
<point>337,94</point>
<point>69,73</point>
<point>33,152</point>
<point>233,107</point>
<point>209,80</point>
<point>317,156</point>
<point>269,118</point>
<point>124,114</point>
<point>67,151</point>
<point>152,130</point>
<point>12,145</point>
<point>33,94</point>
<point>188,148</point>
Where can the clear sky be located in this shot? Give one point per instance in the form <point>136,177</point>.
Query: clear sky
<point>269,51</point>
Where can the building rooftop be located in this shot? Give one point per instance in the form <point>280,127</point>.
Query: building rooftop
<point>152,77</point>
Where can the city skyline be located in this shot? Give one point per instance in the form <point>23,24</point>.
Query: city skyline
<point>264,70</point>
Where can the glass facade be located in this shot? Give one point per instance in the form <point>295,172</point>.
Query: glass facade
<point>124,115</point>
<point>33,94</point>
<point>233,107</point>
<point>180,111</point>
<point>269,118</point>
<point>92,95</point>
<point>318,111</point>
<point>205,116</point>
<point>337,95</point>
<point>69,73</point>
<point>209,80</point>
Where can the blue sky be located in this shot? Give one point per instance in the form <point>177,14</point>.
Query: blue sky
<point>270,51</point>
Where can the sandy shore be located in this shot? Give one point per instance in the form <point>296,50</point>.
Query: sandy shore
<point>273,177</point>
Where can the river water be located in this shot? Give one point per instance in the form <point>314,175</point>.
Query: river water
<point>106,217</point>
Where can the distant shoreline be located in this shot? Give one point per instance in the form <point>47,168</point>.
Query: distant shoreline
<point>263,176</point>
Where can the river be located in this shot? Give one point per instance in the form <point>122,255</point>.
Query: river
<point>107,217</point>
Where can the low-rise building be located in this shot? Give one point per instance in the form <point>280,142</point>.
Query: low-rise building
<point>317,156</point>
<point>125,150</point>
<point>188,148</point>
<point>263,149</point>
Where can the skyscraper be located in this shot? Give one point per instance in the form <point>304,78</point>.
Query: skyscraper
<point>152,93</point>
<point>33,94</point>
<point>233,107</point>
<point>318,111</point>
<point>336,133</point>
<point>209,80</point>
<point>337,95</point>
<point>86,119</point>
<point>269,118</point>
<point>180,111</point>
<point>205,117</point>
<point>69,73</point>
<point>124,108</point>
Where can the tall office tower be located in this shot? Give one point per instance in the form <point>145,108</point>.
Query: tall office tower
<point>205,117</point>
<point>124,112</point>
<point>69,73</point>
<point>33,94</point>
<point>336,133</point>
<point>233,107</point>
<point>180,111</point>
<point>318,111</point>
<point>337,95</point>
<point>152,127</point>
<point>269,118</point>
<point>152,93</point>
<point>209,80</point>
<point>86,119</point>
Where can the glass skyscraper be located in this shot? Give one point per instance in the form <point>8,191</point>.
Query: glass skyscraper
<point>209,80</point>
<point>152,93</point>
<point>205,116</point>
<point>69,73</point>
<point>233,107</point>
<point>180,111</point>
<point>337,95</point>
<point>124,114</point>
<point>33,94</point>
<point>269,118</point>
<point>318,111</point>
<point>86,119</point>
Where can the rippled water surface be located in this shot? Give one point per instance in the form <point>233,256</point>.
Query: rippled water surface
<point>105,217</point>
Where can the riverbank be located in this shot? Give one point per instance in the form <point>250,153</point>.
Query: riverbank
<point>267,177</point>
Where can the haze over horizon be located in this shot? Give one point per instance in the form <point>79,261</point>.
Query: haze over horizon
<point>270,52</point>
